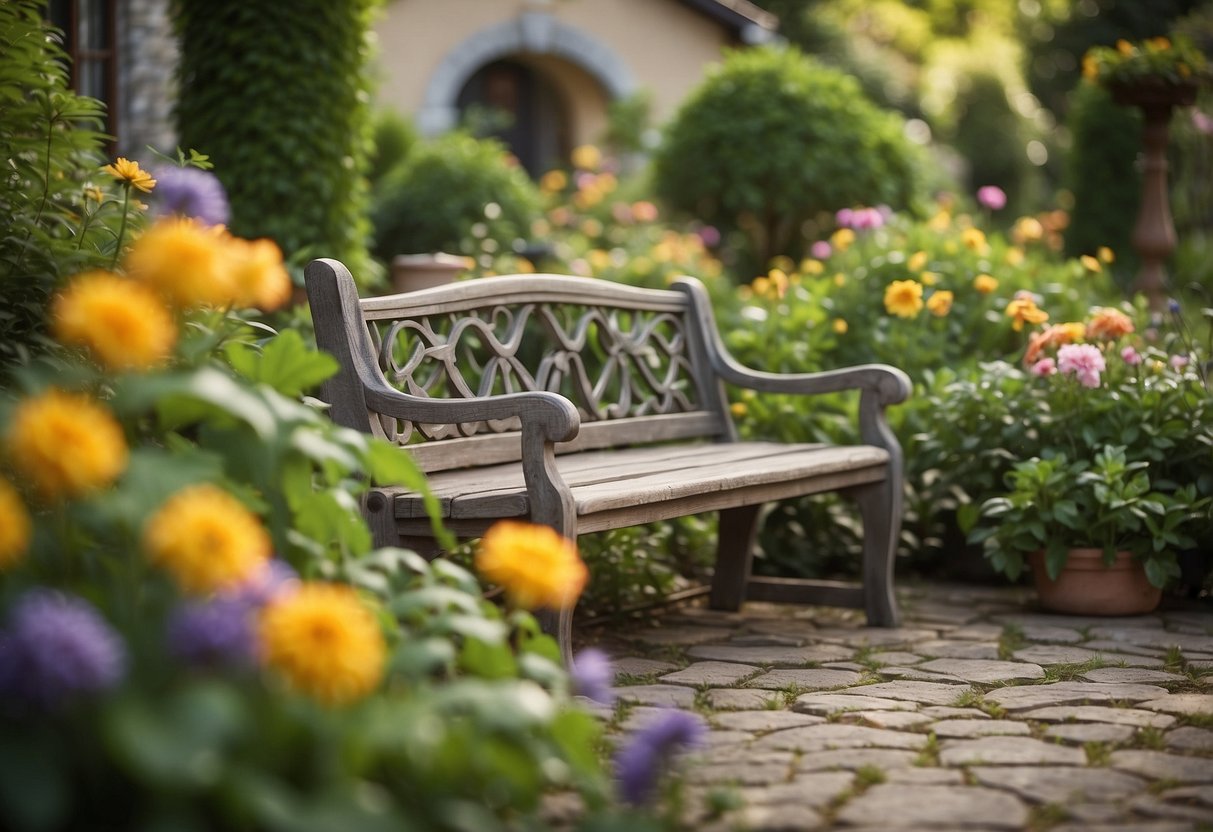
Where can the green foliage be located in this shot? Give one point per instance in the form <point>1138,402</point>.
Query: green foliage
<point>1105,138</point>
<point>394,138</point>
<point>51,142</point>
<point>991,137</point>
<point>628,119</point>
<point>450,194</point>
<point>278,96</point>
<point>771,139</point>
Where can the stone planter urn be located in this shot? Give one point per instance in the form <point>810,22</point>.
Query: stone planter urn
<point>411,272</point>
<point>1154,233</point>
<point>1088,586</point>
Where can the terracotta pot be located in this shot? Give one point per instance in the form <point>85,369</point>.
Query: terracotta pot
<point>1087,587</point>
<point>1154,92</point>
<point>411,272</point>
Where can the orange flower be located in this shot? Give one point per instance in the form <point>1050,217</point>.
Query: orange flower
<point>940,303</point>
<point>1051,337</point>
<point>123,324</point>
<point>260,276</point>
<point>903,298</point>
<point>985,284</point>
<point>1023,310</point>
<point>535,565</point>
<point>1108,324</point>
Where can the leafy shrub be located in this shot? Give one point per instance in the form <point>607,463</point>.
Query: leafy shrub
<point>1100,171</point>
<point>450,194</point>
<point>279,99</point>
<point>991,137</point>
<point>771,139</point>
<point>394,138</point>
<point>51,141</point>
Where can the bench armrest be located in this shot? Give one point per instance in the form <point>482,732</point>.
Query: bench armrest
<point>553,417</point>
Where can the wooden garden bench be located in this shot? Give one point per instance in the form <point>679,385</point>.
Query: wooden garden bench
<point>587,405</point>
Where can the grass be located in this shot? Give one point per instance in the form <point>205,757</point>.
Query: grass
<point>1174,661</point>
<point>928,757</point>
<point>1098,753</point>
<point>1012,639</point>
<point>973,699</point>
<point>1046,817</point>
<point>1151,738</point>
<point>1197,720</point>
<point>869,775</point>
<point>1070,672</point>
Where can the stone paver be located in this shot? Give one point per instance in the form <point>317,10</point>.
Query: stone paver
<point>715,674</point>
<point>901,806</point>
<point>954,737</point>
<point>1007,751</point>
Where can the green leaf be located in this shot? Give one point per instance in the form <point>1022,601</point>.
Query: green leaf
<point>1056,555</point>
<point>34,793</point>
<point>285,363</point>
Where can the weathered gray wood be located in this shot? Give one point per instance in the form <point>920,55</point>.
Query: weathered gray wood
<point>572,437</point>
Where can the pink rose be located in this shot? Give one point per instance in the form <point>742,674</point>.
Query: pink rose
<point>1043,368</point>
<point>1083,360</point>
<point>992,197</point>
<point>1130,356</point>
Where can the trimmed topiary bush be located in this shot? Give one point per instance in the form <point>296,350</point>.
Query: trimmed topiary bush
<point>991,137</point>
<point>394,137</point>
<point>453,194</point>
<point>277,94</point>
<point>771,139</point>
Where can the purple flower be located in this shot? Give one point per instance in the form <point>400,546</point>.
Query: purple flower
<point>992,197</point>
<point>190,192</point>
<point>710,235</point>
<point>214,633</point>
<point>57,646</point>
<point>271,580</point>
<point>638,764</point>
<point>820,249</point>
<point>592,676</point>
<point>1083,360</point>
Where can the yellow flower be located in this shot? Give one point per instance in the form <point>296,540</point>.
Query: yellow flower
<point>591,228</point>
<point>186,262</point>
<point>1014,256</point>
<point>1160,43</point>
<point>15,526</point>
<point>1023,310</point>
<point>129,173</point>
<point>762,286</point>
<point>841,239</point>
<point>738,409</point>
<point>1027,230</point>
<point>1105,255</point>
<point>839,326</point>
<point>258,272</point>
<point>985,284</point>
<point>783,263</point>
<point>65,444</point>
<point>325,642</point>
<point>974,239</point>
<point>1124,47</point>
<point>811,266</point>
<point>940,303</point>
<point>1091,264</point>
<point>840,279</point>
<point>903,298</point>
<point>535,564</point>
<point>122,323</point>
<point>1108,324</point>
<point>586,157</point>
<point>206,539</point>
<point>917,261</point>
<point>1090,67</point>
<point>929,278</point>
<point>940,221</point>
<point>553,181</point>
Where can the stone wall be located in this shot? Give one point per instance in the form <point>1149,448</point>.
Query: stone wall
<point>147,62</point>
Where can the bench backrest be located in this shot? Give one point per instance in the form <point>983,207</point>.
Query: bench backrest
<point>633,361</point>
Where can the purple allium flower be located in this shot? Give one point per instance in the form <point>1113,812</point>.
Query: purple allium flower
<point>190,192</point>
<point>217,632</point>
<point>820,249</point>
<point>992,197</point>
<point>638,764</point>
<point>592,676</point>
<point>57,645</point>
<point>1173,306</point>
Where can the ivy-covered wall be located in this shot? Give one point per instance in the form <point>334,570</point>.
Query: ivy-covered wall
<point>278,94</point>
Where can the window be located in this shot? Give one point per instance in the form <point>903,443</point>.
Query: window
<point>89,38</point>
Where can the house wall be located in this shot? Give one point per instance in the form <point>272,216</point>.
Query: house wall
<point>595,50</point>
<point>147,51</point>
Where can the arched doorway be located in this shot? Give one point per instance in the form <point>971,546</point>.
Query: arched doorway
<point>516,103</point>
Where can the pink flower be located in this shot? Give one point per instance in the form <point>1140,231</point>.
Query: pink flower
<point>992,197</point>
<point>1043,368</point>
<point>820,249</point>
<point>710,236</point>
<point>1130,356</point>
<point>1203,122</point>
<point>844,217</point>
<point>1178,362</point>
<point>1083,360</point>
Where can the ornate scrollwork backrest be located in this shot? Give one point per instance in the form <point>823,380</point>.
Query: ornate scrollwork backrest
<point>611,362</point>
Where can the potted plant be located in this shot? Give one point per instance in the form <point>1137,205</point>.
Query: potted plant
<point>1107,438</point>
<point>1155,69</point>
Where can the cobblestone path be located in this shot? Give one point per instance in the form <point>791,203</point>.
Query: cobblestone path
<point>980,713</point>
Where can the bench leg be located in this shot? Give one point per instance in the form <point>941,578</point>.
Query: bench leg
<point>734,552</point>
<point>880,508</point>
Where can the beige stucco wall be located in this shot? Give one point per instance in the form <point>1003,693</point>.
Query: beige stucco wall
<point>664,45</point>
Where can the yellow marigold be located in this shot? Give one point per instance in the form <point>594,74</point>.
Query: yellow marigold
<point>738,409</point>
<point>1090,263</point>
<point>122,323</point>
<point>917,261</point>
<point>325,642</point>
<point>929,278</point>
<point>15,526</point>
<point>535,565</point>
<point>129,173</point>
<point>206,539</point>
<point>985,284</point>
<point>812,266</point>
<point>842,239</point>
<point>1023,310</point>
<point>903,298</point>
<point>65,444</point>
<point>1107,324</point>
<point>1027,230</point>
<point>974,239</point>
<point>586,157</point>
<point>553,181</point>
<point>186,262</point>
<point>258,272</point>
<point>940,303</point>
<point>1105,255</point>
<point>839,326</point>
